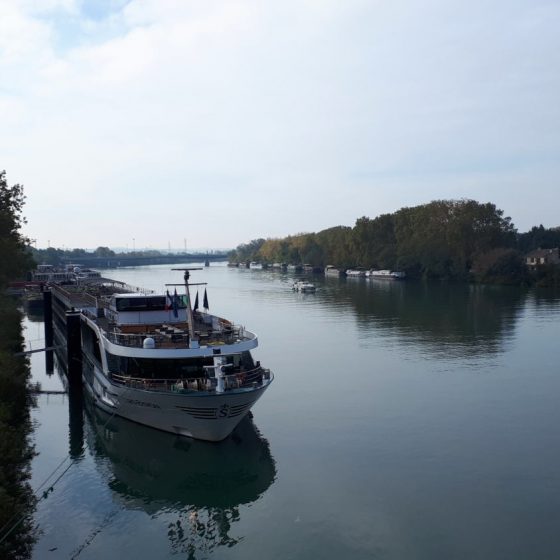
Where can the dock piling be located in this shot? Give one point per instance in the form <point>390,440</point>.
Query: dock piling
<point>49,337</point>
<point>74,347</point>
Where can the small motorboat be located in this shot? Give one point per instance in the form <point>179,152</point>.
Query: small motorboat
<point>303,287</point>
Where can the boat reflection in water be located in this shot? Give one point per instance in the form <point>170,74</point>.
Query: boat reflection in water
<point>198,485</point>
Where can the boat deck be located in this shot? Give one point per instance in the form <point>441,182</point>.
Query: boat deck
<point>170,336</point>
<point>208,330</point>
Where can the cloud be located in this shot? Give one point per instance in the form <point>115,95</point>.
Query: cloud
<point>274,117</point>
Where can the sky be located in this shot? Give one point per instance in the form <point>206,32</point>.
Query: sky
<point>152,122</point>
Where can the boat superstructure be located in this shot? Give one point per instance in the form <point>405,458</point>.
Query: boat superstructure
<point>156,360</point>
<point>63,274</point>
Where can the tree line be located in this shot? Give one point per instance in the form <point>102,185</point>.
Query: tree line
<point>454,239</point>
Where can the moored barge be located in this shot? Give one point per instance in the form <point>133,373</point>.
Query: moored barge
<point>156,360</point>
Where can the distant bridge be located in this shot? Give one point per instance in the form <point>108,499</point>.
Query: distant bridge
<point>135,260</point>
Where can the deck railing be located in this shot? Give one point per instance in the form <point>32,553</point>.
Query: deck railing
<point>180,339</point>
<point>253,378</point>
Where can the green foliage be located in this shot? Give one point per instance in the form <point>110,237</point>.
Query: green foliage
<point>441,239</point>
<point>458,239</point>
<point>15,259</point>
<point>104,252</point>
<point>539,238</point>
<point>548,276</point>
<point>246,252</point>
<point>374,242</point>
<point>336,243</point>
<point>16,451</point>
<point>501,266</point>
<point>58,257</point>
<point>48,256</point>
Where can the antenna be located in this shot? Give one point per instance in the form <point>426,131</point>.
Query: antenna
<point>189,307</point>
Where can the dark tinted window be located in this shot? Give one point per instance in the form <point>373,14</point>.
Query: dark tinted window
<point>156,303</point>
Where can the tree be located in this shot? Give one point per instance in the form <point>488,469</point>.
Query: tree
<point>104,252</point>
<point>15,259</point>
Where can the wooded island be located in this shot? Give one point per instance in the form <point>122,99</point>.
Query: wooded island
<point>445,239</point>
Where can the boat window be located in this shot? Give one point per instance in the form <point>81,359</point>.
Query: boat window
<point>141,303</point>
<point>164,368</point>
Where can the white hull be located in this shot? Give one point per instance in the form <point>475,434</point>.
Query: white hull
<point>205,416</point>
<point>304,287</point>
<point>334,272</point>
<point>385,275</point>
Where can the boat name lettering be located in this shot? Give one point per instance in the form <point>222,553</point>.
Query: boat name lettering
<point>142,403</point>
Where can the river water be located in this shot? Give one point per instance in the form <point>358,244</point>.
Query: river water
<point>406,421</point>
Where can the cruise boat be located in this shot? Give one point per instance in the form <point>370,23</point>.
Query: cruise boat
<point>386,274</point>
<point>155,360</point>
<point>68,273</point>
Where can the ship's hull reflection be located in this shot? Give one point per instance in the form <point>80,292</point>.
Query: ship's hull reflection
<point>152,466</point>
<point>198,485</point>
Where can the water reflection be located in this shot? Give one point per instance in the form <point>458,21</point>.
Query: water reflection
<point>453,319</point>
<point>546,299</point>
<point>199,485</point>
<point>35,315</point>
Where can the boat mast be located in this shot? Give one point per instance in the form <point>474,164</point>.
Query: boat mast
<point>190,318</point>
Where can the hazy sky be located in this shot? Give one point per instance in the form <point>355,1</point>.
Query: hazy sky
<point>221,122</point>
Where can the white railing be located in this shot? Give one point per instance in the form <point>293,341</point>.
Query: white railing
<point>253,378</point>
<point>136,340</point>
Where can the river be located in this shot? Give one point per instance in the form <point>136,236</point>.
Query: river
<point>406,421</point>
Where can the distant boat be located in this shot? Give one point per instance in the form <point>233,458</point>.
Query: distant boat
<point>303,287</point>
<point>386,274</point>
<point>331,270</point>
<point>206,262</point>
<point>70,273</point>
<point>255,265</point>
<point>356,272</point>
<point>294,268</point>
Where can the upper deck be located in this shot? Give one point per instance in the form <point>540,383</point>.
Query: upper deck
<point>132,318</point>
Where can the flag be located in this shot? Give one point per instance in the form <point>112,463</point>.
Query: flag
<point>175,304</point>
<point>205,303</point>
<point>196,302</point>
<point>167,301</point>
